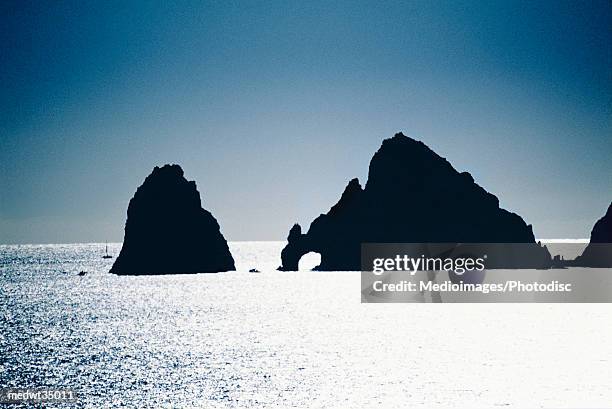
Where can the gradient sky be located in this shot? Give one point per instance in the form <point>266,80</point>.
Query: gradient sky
<point>271,107</point>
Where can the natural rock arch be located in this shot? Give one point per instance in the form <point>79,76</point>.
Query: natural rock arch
<point>412,195</point>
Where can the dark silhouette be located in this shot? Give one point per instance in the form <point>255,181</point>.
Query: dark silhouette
<point>106,255</point>
<point>168,232</point>
<point>599,251</point>
<point>412,196</point>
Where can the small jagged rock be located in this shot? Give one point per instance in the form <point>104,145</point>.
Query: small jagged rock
<point>599,251</point>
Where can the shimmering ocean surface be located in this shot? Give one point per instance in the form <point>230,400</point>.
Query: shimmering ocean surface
<point>274,339</point>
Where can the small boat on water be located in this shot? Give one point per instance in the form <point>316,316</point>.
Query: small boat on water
<point>106,255</point>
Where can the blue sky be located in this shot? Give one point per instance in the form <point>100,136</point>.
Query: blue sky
<point>273,106</point>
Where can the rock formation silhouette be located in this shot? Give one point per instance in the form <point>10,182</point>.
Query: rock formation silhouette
<point>168,232</point>
<point>599,251</point>
<point>412,195</point>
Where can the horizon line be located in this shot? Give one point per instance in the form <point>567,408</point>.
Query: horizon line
<point>543,241</point>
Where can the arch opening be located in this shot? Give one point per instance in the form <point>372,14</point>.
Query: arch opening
<point>309,261</point>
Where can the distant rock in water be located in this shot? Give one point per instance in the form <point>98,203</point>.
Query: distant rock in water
<point>168,232</point>
<point>599,251</point>
<point>412,196</point>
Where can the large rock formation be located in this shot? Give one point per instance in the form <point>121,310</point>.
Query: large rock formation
<point>168,232</point>
<point>599,251</point>
<point>412,196</point>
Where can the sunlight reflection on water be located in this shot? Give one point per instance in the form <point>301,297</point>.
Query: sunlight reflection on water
<point>282,339</point>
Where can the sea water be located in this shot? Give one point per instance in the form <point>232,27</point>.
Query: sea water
<point>282,339</point>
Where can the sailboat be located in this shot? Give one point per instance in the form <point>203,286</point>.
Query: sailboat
<point>106,255</point>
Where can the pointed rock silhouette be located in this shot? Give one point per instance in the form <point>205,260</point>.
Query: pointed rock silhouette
<point>168,232</point>
<point>599,251</point>
<point>412,196</point>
